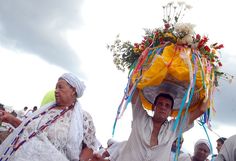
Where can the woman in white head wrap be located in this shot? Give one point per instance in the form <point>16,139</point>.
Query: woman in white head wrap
<point>55,132</point>
<point>201,150</point>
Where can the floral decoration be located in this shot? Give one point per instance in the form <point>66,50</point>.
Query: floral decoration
<point>125,54</point>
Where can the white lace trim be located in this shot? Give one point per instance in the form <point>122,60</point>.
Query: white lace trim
<point>54,137</point>
<point>89,132</point>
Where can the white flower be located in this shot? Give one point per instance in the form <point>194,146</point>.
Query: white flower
<point>189,6</point>
<point>181,2</point>
<point>184,28</point>
<point>187,39</point>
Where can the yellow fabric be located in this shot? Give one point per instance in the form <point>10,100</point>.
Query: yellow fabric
<point>171,62</point>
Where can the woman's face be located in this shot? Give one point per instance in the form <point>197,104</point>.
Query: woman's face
<point>64,93</point>
<point>201,152</point>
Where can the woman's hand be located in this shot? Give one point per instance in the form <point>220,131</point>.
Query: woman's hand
<point>9,118</point>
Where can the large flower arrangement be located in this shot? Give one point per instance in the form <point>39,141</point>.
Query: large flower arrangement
<point>126,54</point>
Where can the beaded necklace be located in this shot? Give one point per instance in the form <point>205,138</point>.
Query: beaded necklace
<point>15,145</point>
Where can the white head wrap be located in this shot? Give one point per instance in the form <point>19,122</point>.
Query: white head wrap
<point>74,82</point>
<point>202,141</point>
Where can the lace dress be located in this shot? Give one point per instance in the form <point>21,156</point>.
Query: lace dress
<point>50,145</point>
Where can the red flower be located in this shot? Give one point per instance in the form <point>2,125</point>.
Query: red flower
<point>219,46</point>
<point>207,48</point>
<point>202,41</point>
<point>136,45</point>
<point>161,39</point>
<point>200,44</point>
<point>220,64</point>
<point>150,40</point>
<point>198,37</point>
<point>167,25</point>
<point>205,39</point>
<point>156,34</point>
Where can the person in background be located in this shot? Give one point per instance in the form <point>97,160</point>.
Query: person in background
<point>59,131</point>
<point>35,108</point>
<point>219,143</point>
<point>25,110</point>
<point>228,150</point>
<point>201,150</point>
<point>28,113</point>
<point>182,156</point>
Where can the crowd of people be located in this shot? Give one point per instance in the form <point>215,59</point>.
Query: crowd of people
<point>67,131</point>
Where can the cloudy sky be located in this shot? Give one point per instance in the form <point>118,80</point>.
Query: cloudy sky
<point>40,40</point>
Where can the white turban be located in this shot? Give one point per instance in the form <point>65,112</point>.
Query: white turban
<point>74,81</point>
<point>202,141</point>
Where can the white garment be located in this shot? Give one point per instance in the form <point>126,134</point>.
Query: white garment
<point>116,148</point>
<point>182,156</point>
<point>20,114</point>
<point>28,113</point>
<point>138,145</point>
<point>52,143</point>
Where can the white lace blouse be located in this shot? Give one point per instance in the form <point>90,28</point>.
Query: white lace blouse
<point>57,135</point>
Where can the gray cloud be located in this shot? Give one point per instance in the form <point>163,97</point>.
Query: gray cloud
<point>225,104</point>
<point>37,27</point>
<point>225,97</point>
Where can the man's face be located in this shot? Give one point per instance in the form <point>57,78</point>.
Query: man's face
<point>162,108</point>
<point>201,152</point>
<point>218,146</point>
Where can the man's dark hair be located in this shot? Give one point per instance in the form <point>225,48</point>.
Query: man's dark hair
<point>221,140</point>
<point>167,96</point>
<point>25,108</point>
